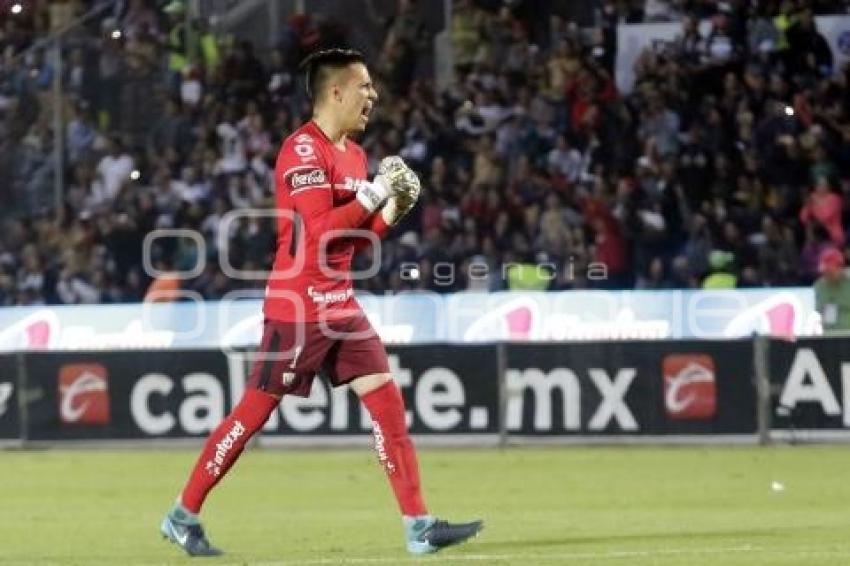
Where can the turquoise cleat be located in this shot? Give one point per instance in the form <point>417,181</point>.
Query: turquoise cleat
<point>188,535</point>
<point>426,535</point>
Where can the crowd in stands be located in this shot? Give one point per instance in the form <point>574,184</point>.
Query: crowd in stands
<point>727,165</point>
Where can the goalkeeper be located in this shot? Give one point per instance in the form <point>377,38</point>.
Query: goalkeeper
<point>312,321</point>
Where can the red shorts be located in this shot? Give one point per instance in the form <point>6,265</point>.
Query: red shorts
<point>292,353</point>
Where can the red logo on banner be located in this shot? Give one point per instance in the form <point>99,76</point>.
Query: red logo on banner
<point>690,391</point>
<point>83,394</point>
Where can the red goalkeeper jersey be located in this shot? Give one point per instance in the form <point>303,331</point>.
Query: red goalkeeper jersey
<point>315,187</point>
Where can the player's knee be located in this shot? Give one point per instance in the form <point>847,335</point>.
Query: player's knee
<point>255,407</point>
<point>368,383</point>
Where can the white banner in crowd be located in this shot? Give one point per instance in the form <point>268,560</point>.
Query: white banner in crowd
<point>632,39</point>
<point>421,318</point>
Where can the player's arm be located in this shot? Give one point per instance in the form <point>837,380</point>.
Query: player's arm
<point>308,182</point>
<point>314,203</point>
<point>404,194</point>
<point>375,224</point>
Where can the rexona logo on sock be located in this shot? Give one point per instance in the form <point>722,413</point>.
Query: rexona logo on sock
<point>380,448</point>
<point>213,466</point>
<point>690,391</point>
<point>83,394</point>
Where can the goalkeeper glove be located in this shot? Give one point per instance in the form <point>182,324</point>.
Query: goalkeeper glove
<point>405,189</point>
<point>394,177</point>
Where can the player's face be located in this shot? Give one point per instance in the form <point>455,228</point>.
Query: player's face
<point>357,97</point>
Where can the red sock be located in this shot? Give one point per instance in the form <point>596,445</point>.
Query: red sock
<point>395,449</point>
<point>225,444</point>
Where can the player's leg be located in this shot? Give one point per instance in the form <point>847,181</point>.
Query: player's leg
<point>272,375</point>
<point>221,450</point>
<point>361,361</point>
<point>395,450</point>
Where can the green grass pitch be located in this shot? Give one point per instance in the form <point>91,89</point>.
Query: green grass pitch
<point>598,506</point>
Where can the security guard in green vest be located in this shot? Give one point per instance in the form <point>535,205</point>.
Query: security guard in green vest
<point>832,291</point>
<point>721,271</point>
<point>179,41</point>
<point>208,44</point>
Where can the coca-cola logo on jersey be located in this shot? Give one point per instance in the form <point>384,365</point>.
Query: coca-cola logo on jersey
<point>314,177</point>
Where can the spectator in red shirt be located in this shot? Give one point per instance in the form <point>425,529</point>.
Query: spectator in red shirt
<point>824,207</point>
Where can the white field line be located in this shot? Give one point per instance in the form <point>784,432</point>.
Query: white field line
<point>534,558</point>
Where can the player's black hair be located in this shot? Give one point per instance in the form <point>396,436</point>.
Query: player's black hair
<point>316,66</point>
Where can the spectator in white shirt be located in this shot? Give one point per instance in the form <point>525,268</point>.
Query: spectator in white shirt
<point>190,187</point>
<point>114,169</point>
<point>565,160</point>
<point>233,158</point>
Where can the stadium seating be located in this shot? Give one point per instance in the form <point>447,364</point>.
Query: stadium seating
<point>735,139</point>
